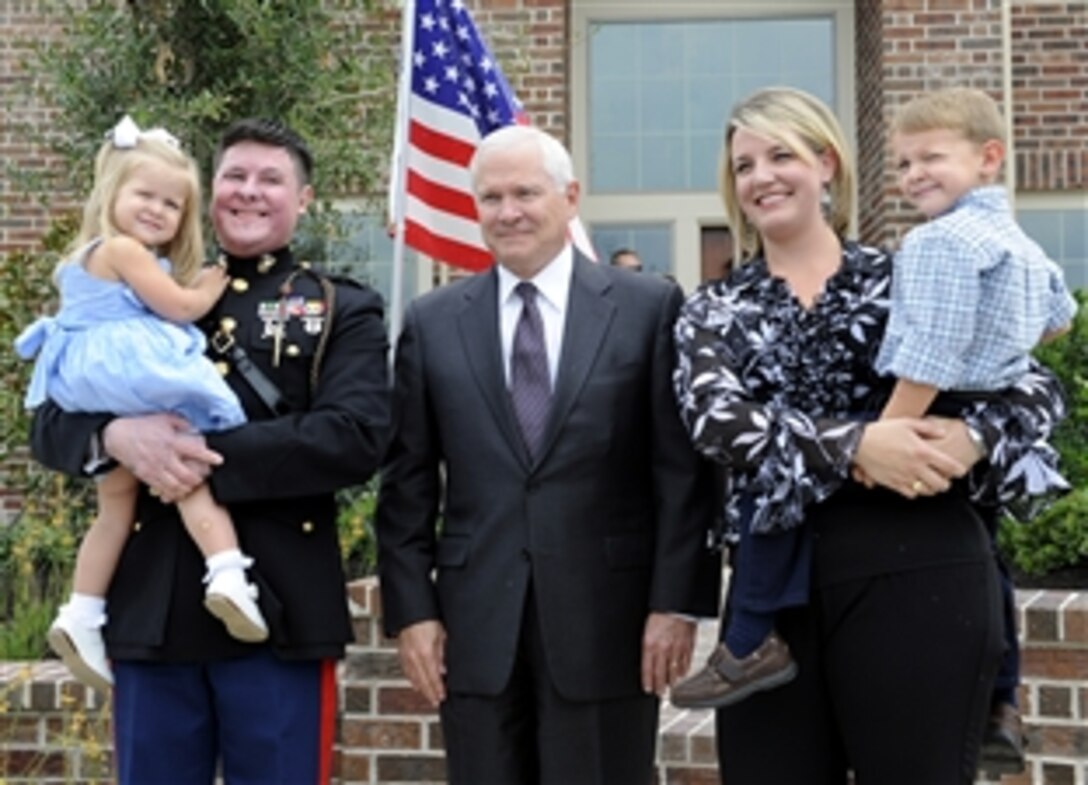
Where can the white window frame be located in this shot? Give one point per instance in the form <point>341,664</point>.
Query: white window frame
<point>1029,201</point>
<point>688,212</point>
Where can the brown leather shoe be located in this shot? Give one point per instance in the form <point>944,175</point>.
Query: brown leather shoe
<point>1003,741</point>
<point>726,680</point>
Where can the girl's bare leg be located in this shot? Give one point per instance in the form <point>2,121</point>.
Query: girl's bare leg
<point>207,522</point>
<point>76,633</point>
<point>102,544</point>
<point>229,595</point>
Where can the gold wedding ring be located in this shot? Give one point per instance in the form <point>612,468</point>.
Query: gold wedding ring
<point>154,492</point>
<point>918,486</point>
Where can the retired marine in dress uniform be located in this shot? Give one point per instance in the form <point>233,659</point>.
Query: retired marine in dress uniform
<point>307,356</point>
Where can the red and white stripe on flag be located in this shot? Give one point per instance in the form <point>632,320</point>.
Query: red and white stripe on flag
<point>458,95</point>
<point>439,211</point>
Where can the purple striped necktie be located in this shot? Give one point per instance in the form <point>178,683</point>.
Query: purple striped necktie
<point>530,383</point>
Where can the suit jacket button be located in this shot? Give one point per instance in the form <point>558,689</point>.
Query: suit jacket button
<point>137,526</point>
<point>525,554</point>
<point>308,526</point>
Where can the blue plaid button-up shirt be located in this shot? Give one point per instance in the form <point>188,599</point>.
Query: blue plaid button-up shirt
<point>972,295</point>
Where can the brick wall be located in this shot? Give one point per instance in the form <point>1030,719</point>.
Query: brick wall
<point>927,44</point>
<point>902,46</point>
<point>24,123</point>
<point>1050,95</point>
<point>53,732</point>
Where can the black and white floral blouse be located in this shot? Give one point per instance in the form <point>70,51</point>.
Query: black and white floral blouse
<point>779,393</point>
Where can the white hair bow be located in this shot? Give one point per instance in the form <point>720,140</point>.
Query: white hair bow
<point>126,134</point>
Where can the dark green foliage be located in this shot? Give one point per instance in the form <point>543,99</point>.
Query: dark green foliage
<point>37,549</point>
<point>1058,536</point>
<point>193,66</point>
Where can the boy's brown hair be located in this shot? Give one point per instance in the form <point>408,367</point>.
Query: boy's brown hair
<point>966,110</point>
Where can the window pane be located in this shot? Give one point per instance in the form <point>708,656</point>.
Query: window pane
<point>652,243</point>
<point>1044,227</point>
<point>360,247</point>
<point>667,86</point>
<point>1063,234</point>
<point>1075,234</point>
<point>615,164</point>
<point>662,162</point>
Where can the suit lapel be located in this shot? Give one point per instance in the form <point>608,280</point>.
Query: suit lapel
<point>589,314</point>
<point>478,325</point>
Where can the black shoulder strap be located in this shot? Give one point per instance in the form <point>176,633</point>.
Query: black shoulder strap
<point>265,389</point>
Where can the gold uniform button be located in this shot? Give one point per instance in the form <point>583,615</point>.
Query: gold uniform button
<point>137,526</point>
<point>222,367</point>
<point>293,350</point>
<point>239,285</point>
<point>227,324</point>
<point>308,526</point>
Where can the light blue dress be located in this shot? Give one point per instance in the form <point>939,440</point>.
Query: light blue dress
<point>105,351</point>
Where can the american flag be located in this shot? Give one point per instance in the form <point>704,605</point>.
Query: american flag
<point>458,95</point>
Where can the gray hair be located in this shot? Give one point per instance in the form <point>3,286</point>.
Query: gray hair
<point>554,156</point>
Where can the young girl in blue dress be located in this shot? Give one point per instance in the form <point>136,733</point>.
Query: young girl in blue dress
<point>123,341</point>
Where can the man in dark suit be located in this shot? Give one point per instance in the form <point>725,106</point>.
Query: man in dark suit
<point>554,602</point>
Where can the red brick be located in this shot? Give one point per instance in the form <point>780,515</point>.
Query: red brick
<point>411,768</point>
<point>354,767</point>
<point>1055,701</point>
<point>1059,774</point>
<point>1054,663</point>
<point>689,775</point>
<point>402,700</point>
<point>381,734</point>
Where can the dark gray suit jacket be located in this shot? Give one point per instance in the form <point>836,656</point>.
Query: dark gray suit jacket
<point>608,523</point>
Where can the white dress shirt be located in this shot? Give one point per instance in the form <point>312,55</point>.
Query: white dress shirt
<point>553,289</point>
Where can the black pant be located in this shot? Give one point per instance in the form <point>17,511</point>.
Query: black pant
<point>531,735</point>
<point>895,673</point>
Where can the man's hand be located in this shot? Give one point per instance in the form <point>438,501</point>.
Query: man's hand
<point>422,650</point>
<point>162,451</point>
<point>667,644</point>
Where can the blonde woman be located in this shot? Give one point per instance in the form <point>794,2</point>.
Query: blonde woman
<point>863,624</point>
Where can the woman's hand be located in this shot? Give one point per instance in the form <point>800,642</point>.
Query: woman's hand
<point>955,442</point>
<point>914,457</point>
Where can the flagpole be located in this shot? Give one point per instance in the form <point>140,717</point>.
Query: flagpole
<point>399,186</point>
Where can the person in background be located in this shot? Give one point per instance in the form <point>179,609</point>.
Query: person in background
<point>627,259</point>
<point>872,666</point>
<point>307,356</point>
<point>533,419</point>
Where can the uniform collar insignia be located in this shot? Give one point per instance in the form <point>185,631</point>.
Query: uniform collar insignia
<point>280,259</point>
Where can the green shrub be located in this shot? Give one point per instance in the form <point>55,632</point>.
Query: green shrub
<point>355,525</point>
<point>1058,536</point>
<point>38,547</point>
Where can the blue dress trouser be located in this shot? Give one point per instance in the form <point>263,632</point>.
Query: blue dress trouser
<point>265,721</point>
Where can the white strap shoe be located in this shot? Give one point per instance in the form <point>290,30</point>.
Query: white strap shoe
<point>82,650</point>
<point>231,598</point>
